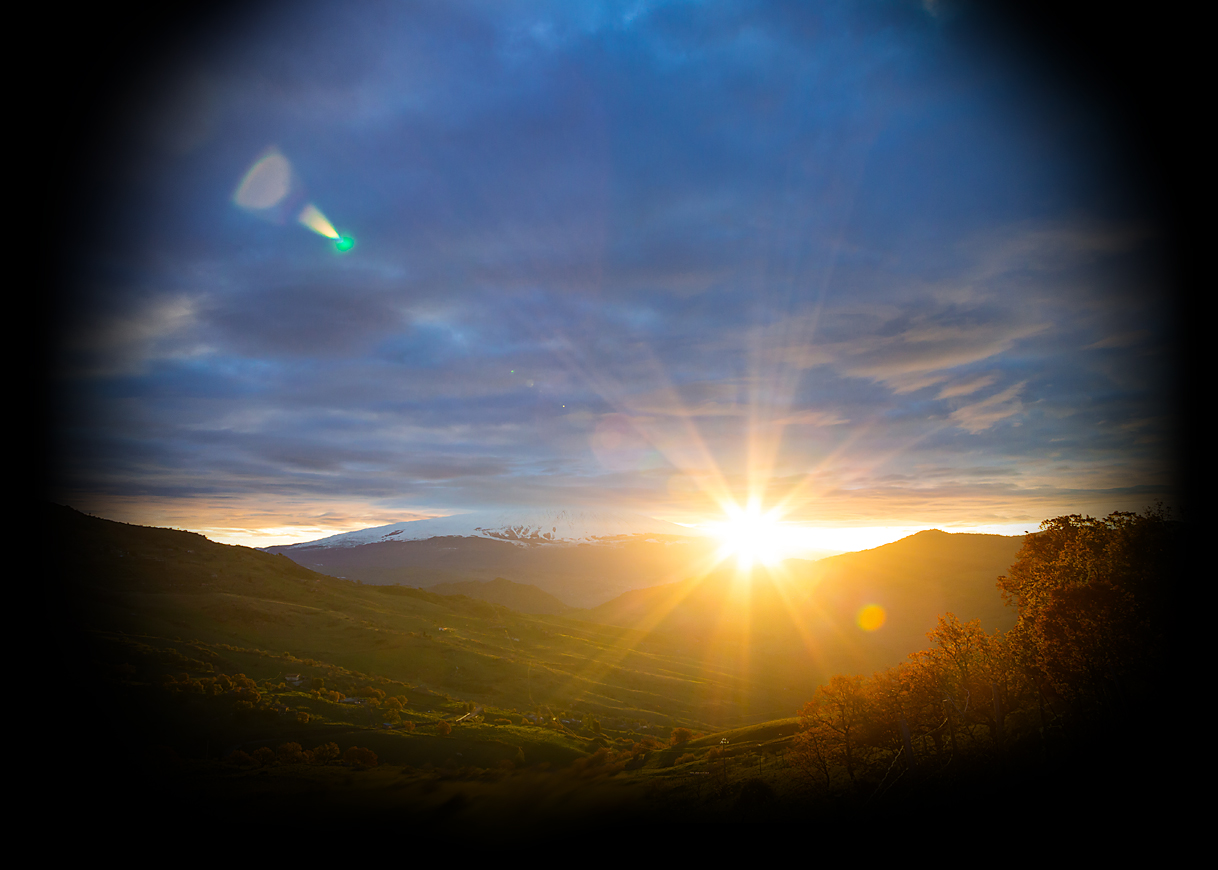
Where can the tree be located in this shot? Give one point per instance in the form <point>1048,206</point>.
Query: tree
<point>680,735</point>
<point>293,753</point>
<point>1092,597</point>
<point>975,676</point>
<point>325,752</point>
<point>836,714</point>
<point>360,758</point>
<point>810,752</point>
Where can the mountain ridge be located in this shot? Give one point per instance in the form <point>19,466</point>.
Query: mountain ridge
<point>520,526</point>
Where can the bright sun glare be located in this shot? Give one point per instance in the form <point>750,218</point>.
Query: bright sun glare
<point>751,536</point>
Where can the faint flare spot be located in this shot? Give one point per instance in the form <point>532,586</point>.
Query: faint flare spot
<point>266,183</point>
<point>871,617</point>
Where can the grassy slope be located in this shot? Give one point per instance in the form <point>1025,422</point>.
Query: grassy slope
<point>154,602</point>
<point>515,596</point>
<point>165,583</point>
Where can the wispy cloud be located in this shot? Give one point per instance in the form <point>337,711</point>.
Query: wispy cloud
<point>980,416</point>
<point>966,387</point>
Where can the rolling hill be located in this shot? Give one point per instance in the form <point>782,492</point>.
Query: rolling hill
<point>813,608</point>
<point>580,574</point>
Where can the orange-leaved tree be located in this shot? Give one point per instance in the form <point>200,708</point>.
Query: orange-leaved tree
<point>975,675</point>
<point>1092,596</point>
<point>834,719</point>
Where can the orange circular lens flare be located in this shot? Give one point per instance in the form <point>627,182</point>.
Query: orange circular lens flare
<point>871,617</point>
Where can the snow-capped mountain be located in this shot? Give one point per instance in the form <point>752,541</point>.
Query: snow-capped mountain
<point>522,526</point>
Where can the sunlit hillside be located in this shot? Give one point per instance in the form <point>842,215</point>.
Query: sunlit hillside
<point>853,613</point>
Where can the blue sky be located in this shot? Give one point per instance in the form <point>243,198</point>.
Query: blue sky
<point>852,259</point>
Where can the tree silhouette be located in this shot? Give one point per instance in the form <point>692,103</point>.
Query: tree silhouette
<point>836,714</point>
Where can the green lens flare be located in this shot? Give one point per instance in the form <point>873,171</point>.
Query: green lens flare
<point>344,243</point>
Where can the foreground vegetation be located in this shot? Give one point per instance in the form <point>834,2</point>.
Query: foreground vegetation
<point>240,680</point>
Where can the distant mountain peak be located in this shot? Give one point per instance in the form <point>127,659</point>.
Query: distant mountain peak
<point>523,526</point>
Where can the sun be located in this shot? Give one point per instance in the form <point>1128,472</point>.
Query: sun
<point>751,536</point>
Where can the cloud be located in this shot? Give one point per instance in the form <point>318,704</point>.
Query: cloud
<point>982,415</point>
<point>1124,339</point>
<point>313,318</point>
<point>813,418</point>
<point>125,343</point>
<point>965,388</point>
<point>927,348</point>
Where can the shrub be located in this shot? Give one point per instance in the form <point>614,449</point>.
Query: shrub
<point>241,759</point>
<point>293,753</point>
<point>360,758</point>
<point>326,752</point>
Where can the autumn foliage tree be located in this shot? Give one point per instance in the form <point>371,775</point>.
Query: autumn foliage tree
<point>834,717</point>
<point>1092,596</point>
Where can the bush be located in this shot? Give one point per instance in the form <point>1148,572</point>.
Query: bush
<point>293,753</point>
<point>360,758</point>
<point>326,752</point>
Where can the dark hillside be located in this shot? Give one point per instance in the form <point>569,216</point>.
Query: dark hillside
<point>164,583</point>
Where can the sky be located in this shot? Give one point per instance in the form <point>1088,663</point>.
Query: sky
<point>860,263</point>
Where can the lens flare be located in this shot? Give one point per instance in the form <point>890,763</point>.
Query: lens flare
<point>871,617</point>
<point>266,183</point>
<point>271,190</point>
<point>312,218</point>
